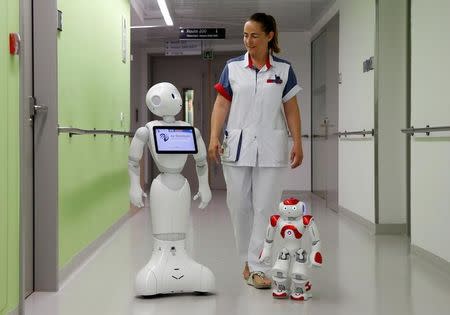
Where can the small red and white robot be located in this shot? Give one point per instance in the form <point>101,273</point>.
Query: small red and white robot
<point>292,260</point>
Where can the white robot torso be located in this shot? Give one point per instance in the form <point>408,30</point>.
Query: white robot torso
<point>291,229</point>
<point>166,163</point>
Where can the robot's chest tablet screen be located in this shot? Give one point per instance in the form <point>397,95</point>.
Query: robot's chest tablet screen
<point>175,139</point>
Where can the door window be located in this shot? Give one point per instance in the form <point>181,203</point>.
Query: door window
<point>189,105</point>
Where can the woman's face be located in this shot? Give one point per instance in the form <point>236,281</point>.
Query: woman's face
<point>255,40</point>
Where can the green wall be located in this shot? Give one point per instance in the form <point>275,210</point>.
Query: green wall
<point>94,89</point>
<point>9,160</point>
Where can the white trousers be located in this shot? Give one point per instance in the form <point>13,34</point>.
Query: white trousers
<point>253,195</point>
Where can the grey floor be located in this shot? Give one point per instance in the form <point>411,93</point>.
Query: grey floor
<point>362,274</point>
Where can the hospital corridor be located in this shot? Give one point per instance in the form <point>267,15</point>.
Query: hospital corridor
<point>363,274</point>
<point>152,160</point>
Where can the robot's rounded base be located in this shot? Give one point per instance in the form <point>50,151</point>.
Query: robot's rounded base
<point>171,270</point>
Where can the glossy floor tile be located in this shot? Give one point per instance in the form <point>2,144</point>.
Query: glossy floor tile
<point>362,274</point>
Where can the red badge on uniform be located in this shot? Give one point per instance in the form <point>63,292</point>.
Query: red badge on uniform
<point>277,80</point>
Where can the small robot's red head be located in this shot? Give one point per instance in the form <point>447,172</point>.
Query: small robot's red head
<point>292,207</point>
<point>290,201</point>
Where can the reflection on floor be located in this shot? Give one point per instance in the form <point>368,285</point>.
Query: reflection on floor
<point>362,274</point>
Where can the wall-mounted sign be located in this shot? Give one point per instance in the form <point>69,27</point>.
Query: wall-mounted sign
<point>208,55</point>
<point>183,48</point>
<point>202,33</point>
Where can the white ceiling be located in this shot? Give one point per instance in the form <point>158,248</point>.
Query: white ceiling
<point>291,15</point>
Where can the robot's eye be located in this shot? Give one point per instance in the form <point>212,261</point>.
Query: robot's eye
<point>173,96</point>
<point>285,208</point>
<point>294,208</point>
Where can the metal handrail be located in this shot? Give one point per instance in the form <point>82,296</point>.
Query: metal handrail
<point>363,132</point>
<point>303,135</point>
<point>77,131</point>
<point>427,130</point>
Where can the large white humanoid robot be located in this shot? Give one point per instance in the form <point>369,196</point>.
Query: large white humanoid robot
<point>170,269</point>
<point>292,260</point>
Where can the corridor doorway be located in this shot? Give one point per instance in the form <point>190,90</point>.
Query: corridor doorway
<point>325,113</point>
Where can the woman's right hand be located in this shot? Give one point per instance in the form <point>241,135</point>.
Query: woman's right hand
<point>214,150</point>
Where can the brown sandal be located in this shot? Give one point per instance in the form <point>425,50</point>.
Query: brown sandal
<point>246,272</point>
<point>258,284</point>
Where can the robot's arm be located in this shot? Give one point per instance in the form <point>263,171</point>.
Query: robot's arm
<point>316,255</point>
<point>138,143</point>
<point>266,253</point>
<point>204,192</point>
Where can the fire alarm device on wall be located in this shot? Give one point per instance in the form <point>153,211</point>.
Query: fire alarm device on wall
<point>14,43</point>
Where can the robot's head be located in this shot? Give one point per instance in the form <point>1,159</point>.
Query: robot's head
<point>163,99</point>
<point>292,208</point>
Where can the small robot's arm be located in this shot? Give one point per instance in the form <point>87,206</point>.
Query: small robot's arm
<point>266,253</point>
<point>138,143</point>
<point>204,191</point>
<point>316,255</point>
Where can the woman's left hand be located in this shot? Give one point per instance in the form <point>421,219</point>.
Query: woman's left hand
<point>296,155</point>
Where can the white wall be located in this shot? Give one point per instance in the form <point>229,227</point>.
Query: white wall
<point>392,111</point>
<point>356,103</point>
<point>356,106</point>
<point>430,156</point>
<point>295,47</point>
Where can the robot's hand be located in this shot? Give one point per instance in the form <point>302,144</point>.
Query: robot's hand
<point>316,259</point>
<point>205,197</point>
<point>266,254</point>
<point>136,195</point>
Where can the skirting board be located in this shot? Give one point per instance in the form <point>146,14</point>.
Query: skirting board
<point>81,258</point>
<point>375,229</point>
<point>370,226</point>
<point>391,229</point>
<point>439,262</point>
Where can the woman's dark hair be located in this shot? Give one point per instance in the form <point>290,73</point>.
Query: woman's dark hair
<point>268,25</point>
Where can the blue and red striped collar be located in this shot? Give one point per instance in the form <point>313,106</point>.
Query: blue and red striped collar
<point>249,61</point>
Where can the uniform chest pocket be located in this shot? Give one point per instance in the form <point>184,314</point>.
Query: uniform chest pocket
<point>273,86</point>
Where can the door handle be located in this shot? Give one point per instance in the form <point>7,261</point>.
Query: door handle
<point>34,108</point>
<point>40,108</point>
